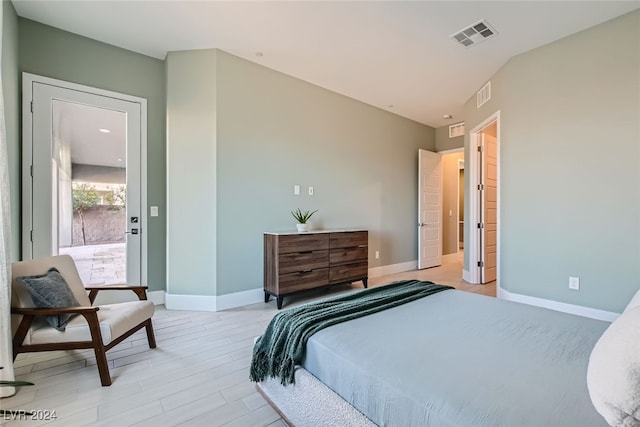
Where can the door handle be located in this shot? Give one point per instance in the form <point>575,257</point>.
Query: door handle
<point>133,231</point>
<point>422,224</point>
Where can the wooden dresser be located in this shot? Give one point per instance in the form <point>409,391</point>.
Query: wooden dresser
<point>296,262</point>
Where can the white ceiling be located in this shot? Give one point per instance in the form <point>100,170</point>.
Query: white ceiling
<point>395,55</point>
<point>78,125</point>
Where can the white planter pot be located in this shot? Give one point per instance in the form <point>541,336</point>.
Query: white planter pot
<point>302,227</point>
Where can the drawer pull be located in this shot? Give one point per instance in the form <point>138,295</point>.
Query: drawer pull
<point>305,252</point>
<point>305,271</point>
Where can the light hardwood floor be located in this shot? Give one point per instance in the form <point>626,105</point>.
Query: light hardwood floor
<point>198,375</point>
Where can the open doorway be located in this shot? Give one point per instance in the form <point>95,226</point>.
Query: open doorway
<point>453,210</point>
<point>84,178</point>
<point>452,201</point>
<point>92,189</point>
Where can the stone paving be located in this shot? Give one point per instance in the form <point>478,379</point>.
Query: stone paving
<point>99,264</point>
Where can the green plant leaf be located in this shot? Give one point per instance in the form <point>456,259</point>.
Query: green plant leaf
<point>302,217</point>
<point>15,383</point>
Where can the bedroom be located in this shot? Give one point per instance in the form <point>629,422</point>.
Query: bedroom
<point>554,141</point>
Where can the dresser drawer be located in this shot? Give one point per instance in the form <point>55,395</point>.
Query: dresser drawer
<point>347,255</point>
<point>302,280</point>
<point>302,242</point>
<point>300,261</point>
<point>349,239</point>
<point>347,272</point>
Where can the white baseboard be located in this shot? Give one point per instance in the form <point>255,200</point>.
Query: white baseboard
<point>190,302</point>
<point>578,310</point>
<point>392,269</point>
<point>211,302</point>
<point>238,299</point>
<point>252,296</point>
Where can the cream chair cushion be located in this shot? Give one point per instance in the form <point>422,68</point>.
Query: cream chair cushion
<point>115,320</point>
<point>65,266</point>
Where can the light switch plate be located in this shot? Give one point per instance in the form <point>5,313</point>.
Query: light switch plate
<point>154,211</point>
<point>296,190</point>
<point>311,191</point>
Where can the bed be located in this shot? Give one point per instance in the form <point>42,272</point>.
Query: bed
<point>451,359</point>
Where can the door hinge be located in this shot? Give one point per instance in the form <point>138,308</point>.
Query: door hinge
<point>31,235</point>
<point>481,225</point>
<point>31,170</point>
<point>481,187</point>
<point>32,106</point>
<point>480,263</point>
<point>481,148</point>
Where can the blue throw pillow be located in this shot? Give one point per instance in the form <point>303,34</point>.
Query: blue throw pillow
<point>50,290</point>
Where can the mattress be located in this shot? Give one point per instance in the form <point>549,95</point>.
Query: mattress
<point>460,359</point>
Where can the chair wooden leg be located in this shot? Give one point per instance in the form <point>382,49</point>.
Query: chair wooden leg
<point>150,335</point>
<point>103,365</point>
<point>98,347</point>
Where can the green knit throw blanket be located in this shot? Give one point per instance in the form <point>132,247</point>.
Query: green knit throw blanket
<point>283,345</point>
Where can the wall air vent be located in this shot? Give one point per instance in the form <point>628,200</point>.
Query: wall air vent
<point>456,130</point>
<point>483,95</point>
<point>474,34</point>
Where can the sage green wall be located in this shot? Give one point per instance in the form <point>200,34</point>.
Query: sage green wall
<point>51,52</point>
<point>10,85</point>
<point>274,132</point>
<point>191,172</point>
<point>443,142</point>
<point>570,166</point>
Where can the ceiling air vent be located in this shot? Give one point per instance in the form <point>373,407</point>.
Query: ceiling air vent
<point>474,33</point>
<point>456,130</point>
<point>483,95</point>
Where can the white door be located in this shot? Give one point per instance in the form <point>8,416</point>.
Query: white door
<point>488,205</point>
<point>429,209</point>
<point>84,146</point>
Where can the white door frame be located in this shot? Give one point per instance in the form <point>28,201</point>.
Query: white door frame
<point>472,166</point>
<point>28,81</point>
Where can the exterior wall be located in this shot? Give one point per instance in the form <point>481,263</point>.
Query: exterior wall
<point>102,224</point>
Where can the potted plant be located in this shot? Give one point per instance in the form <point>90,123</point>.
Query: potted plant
<point>302,218</point>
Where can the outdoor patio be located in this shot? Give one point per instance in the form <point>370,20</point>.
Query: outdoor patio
<point>99,264</point>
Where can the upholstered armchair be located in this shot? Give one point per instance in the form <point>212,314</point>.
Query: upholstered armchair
<point>43,320</point>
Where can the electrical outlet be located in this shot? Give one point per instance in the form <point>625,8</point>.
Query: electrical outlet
<point>377,254</point>
<point>311,191</point>
<point>574,283</point>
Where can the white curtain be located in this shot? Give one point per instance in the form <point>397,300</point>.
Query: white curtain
<point>6,357</point>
